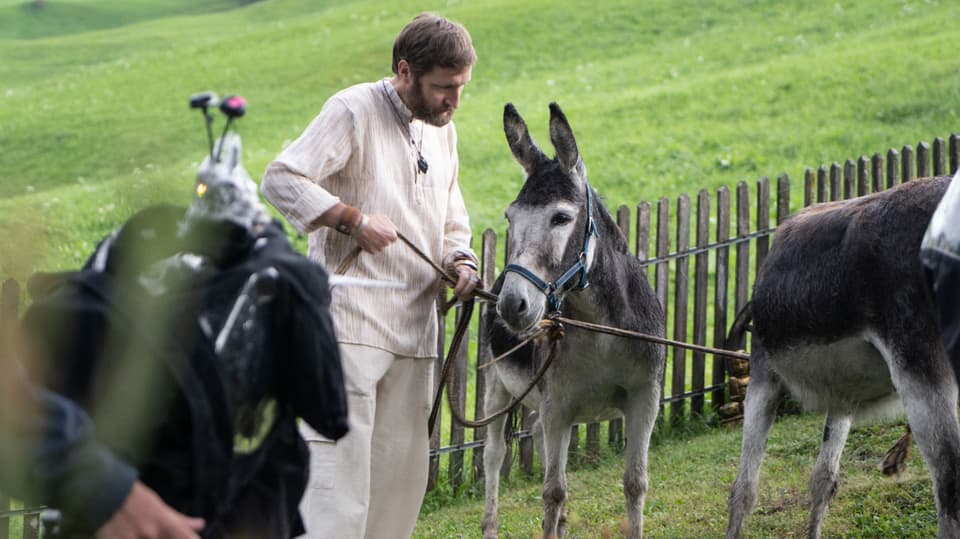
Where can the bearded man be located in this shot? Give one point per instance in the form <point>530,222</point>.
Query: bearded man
<point>382,157</point>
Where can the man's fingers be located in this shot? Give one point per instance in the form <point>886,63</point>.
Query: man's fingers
<point>185,528</point>
<point>467,281</point>
<point>195,524</point>
<point>377,234</point>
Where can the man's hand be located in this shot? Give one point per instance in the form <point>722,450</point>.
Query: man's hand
<point>371,232</point>
<point>467,282</point>
<point>144,515</point>
<point>374,233</point>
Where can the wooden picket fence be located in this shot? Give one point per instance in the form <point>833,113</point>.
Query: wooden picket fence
<point>716,235</point>
<point>725,243</point>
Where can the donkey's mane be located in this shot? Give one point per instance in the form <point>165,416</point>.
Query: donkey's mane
<point>608,227</point>
<point>548,183</point>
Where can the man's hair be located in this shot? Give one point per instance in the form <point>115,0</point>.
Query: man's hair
<point>430,41</point>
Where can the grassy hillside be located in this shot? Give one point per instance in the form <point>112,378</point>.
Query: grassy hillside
<point>666,97</point>
<point>30,19</point>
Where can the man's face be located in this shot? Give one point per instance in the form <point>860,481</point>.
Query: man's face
<point>435,95</point>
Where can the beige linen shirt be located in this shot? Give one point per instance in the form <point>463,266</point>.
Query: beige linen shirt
<point>358,150</point>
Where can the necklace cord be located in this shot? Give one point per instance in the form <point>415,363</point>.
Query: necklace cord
<point>422,164</point>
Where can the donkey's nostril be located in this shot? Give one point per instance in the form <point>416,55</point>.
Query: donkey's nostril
<point>522,306</point>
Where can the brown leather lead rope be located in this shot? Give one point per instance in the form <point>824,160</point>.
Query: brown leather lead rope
<point>546,327</point>
<point>458,335</point>
<point>557,334</point>
<point>350,260</point>
<point>532,336</point>
<point>555,338</point>
<point>491,297</point>
<point>479,292</point>
<point>652,338</point>
<point>448,361</point>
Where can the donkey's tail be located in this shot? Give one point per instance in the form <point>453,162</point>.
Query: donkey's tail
<point>741,326</point>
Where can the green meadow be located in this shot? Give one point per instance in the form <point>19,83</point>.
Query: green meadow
<point>665,98</point>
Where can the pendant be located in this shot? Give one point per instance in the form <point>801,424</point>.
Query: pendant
<point>422,163</point>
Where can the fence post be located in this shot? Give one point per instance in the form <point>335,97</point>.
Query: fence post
<point>662,271</point>
<point>954,153</point>
<point>458,396</point>
<point>642,240</point>
<point>923,159</point>
<point>835,187</point>
<point>863,176</point>
<point>521,409</point>
<point>822,185</point>
<point>893,168</point>
<point>681,291</point>
<point>433,471</point>
<point>662,283</point>
<point>876,173</point>
<point>593,440</point>
<point>849,179</point>
<point>763,220</point>
<point>721,283</point>
<point>742,290</point>
<point>907,165</point>
<point>783,197</point>
<point>488,273</point>
<point>615,427</point>
<point>701,275</point>
<point>939,157</point>
<point>526,443</point>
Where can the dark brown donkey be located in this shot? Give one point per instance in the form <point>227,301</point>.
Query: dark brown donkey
<point>843,321</point>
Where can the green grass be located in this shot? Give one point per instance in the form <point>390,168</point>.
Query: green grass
<point>665,97</point>
<point>690,476</point>
<point>23,19</point>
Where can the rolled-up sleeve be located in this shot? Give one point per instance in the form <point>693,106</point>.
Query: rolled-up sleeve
<point>294,182</point>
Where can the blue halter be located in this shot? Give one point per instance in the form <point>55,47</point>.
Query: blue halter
<point>554,290</point>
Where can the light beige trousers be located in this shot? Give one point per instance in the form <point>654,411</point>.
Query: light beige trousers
<point>370,483</point>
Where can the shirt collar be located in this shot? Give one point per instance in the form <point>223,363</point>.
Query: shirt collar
<point>394,100</point>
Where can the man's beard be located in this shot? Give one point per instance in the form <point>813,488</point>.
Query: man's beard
<point>438,117</point>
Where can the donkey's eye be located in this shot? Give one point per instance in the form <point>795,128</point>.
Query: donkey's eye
<point>560,219</point>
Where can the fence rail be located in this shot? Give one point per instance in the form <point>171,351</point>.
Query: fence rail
<point>727,241</point>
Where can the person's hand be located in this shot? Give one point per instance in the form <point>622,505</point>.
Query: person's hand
<point>144,515</point>
<point>374,233</point>
<point>467,282</point>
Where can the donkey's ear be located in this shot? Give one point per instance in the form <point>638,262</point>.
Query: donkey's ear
<point>566,145</point>
<point>525,151</point>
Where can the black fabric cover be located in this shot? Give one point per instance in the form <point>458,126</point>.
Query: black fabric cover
<point>146,369</point>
